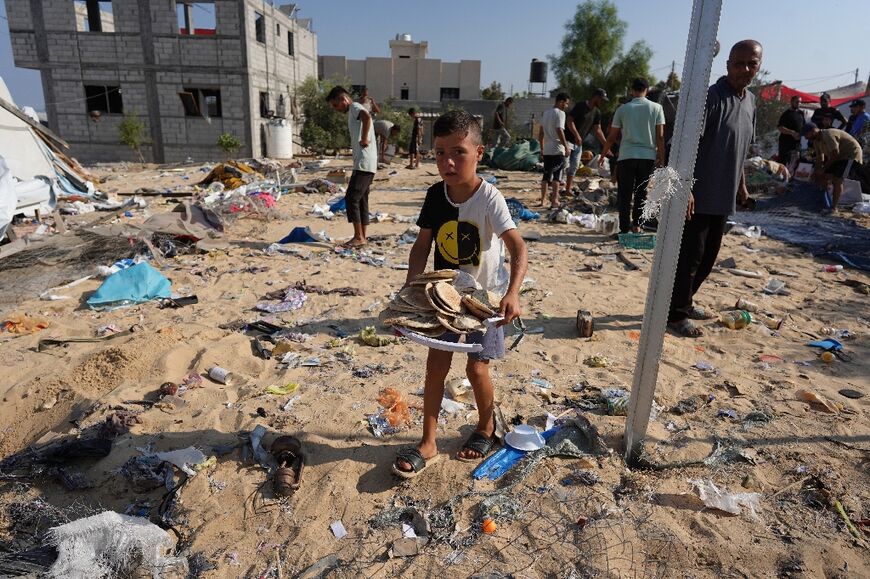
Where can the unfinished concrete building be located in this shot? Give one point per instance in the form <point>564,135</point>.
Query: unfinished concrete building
<point>191,71</point>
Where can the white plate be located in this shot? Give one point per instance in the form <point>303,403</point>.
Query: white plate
<point>524,442</point>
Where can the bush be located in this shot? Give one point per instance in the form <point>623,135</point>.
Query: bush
<point>131,132</point>
<point>323,127</point>
<point>229,144</point>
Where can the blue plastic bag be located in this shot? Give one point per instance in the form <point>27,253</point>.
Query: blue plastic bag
<point>134,285</point>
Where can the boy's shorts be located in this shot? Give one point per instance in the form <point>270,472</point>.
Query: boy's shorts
<point>553,166</point>
<point>492,340</point>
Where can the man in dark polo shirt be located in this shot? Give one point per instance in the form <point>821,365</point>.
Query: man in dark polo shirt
<point>729,127</point>
<point>791,122</point>
<point>584,117</point>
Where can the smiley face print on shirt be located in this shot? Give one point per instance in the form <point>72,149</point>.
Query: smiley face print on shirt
<point>458,242</point>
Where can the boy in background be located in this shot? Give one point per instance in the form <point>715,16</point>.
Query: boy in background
<point>554,148</point>
<point>365,162</point>
<point>416,140</point>
<point>468,221</point>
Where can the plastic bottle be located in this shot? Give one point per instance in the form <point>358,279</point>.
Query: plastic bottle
<point>735,319</point>
<point>747,305</point>
<point>832,268</point>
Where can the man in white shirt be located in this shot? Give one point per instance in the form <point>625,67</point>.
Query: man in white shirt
<point>554,148</point>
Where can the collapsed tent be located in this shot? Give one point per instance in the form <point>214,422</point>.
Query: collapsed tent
<point>794,218</point>
<point>37,175</point>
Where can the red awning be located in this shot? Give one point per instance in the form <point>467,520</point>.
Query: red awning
<point>780,92</point>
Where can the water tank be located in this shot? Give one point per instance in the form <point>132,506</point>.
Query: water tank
<point>538,73</point>
<point>406,37</point>
<point>279,139</point>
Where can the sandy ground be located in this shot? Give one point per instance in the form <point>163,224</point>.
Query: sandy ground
<point>638,522</point>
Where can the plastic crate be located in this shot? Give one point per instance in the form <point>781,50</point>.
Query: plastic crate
<point>637,240</point>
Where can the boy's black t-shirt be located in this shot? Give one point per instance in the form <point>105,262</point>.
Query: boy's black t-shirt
<point>415,129</point>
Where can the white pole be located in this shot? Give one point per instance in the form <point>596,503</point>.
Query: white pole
<point>700,51</point>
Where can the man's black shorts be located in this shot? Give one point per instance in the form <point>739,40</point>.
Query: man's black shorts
<point>553,167</point>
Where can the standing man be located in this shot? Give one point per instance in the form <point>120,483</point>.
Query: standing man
<point>583,118</point>
<point>365,162</point>
<point>641,123</point>
<point>729,127</point>
<point>790,125</point>
<point>835,150</point>
<point>416,140</point>
<point>825,115</point>
<point>859,119</point>
<point>554,148</point>
<point>499,124</point>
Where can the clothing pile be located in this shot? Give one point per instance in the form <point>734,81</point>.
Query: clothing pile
<point>432,305</point>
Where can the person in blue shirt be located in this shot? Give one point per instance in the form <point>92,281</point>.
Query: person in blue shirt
<point>859,119</point>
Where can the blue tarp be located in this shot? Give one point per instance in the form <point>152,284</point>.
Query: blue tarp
<point>520,212</point>
<point>299,235</point>
<point>134,285</point>
<point>339,205</point>
<point>794,218</point>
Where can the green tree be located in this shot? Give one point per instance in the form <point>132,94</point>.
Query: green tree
<point>592,53</point>
<point>672,83</point>
<point>131,132</point>
<point>493,92</point>
<point>323,128</point>
<point>767,111</point>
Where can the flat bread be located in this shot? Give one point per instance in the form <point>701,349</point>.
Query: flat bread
<point>446,321</point>
<point>434,333</point>
<point>435,302</point>
<point>404,307</point>
<point>417,323</point>
<point>448,296</point>
<point>467,323</point>
<point>476,308</point>
<point>438,275</point>
<point>415,297</point>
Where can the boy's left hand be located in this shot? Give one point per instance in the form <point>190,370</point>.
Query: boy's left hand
<point>509,308</point>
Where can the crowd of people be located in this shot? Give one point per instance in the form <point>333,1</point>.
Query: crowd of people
<point>463,198</point>
<point>837,152</point>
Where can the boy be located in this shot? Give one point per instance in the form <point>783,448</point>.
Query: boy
<point>416,140</point>
<point>467,219</point>
<point>554,147</point>
<point>365,162</point>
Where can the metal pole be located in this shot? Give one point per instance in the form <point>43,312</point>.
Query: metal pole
<point>700,51</point>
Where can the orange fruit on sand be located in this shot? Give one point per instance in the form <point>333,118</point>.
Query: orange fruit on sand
<point>489,526</point>
<point>827,357</point>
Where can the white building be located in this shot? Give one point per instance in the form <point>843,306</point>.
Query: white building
<point>407,74</point>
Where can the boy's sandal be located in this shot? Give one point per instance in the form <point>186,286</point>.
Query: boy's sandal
<point>479,443</point>
<point>686,328</point>
<point>412,456</point>
<point>699,313</point>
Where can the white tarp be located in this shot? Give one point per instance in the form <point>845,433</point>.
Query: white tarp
<point>26,156</point>
<point>27,172</point>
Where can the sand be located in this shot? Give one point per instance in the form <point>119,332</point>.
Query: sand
<point>631,523</point>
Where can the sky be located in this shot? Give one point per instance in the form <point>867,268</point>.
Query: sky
<point>506,35</point>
